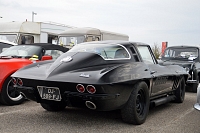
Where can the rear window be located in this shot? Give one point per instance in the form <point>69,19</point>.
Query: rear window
<point>181,53</point>
<point>106,51</point>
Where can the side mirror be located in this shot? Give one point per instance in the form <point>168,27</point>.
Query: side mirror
<point>47,57</point>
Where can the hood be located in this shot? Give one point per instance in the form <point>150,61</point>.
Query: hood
<point>176,62</point>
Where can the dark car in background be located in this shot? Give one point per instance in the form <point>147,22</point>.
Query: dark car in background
<point>104,76</point>
<point>18,56</point>
<point>187,57</point>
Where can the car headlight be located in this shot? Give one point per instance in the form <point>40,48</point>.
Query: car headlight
<point>187,69</point>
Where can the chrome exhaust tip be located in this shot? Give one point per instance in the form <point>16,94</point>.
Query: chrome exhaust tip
<point>90,105</point>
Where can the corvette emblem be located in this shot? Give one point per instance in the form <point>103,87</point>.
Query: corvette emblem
<point>66,59</point>
<point>85,75</point>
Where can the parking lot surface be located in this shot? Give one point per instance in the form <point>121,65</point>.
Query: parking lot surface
<point>30,117</point>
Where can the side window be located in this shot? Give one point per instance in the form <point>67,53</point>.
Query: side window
<point>54,53</point>
<point>145,54</point>
<point>26,39</point>
<point>170,53</point>
<point>134,54</point>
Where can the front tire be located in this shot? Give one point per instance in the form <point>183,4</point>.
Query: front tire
<point>137,107</point>
<point>180,91</point>
<point>53,107</point>
<point>9,95</point>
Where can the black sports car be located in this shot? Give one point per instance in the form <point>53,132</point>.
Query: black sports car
<point>187,57</point>
<point>104,76</point>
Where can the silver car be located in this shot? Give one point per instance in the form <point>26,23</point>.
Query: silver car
<point>197,105</point>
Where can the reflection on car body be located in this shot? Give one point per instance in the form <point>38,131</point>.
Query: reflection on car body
<point>90,75</point>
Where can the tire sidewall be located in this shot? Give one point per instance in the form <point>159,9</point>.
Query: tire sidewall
<point>180,91</point>
<point>129,112</point>
<point>142,86</point>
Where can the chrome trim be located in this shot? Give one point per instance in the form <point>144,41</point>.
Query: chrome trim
<point>89,91</point>
<point>90,105</point>
<point>18,82</point>
<point>15,80</point>
<point>84,75</point>
<point>78,89</point>
<point>66,59</point>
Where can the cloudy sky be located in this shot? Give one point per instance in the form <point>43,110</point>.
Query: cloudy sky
<point>148,21</point>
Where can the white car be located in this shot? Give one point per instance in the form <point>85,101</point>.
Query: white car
<point>197,105</point>
<point>5,44</point>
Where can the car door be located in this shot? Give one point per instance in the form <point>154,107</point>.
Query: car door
<point>162,79</point>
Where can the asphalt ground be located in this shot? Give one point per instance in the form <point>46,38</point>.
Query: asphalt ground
<point>30,117</point>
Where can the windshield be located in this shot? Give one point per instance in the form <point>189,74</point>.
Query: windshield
<point>71,41</point>
<point>7,37</point>
<point>181,53</point>
<point>22,51</point>
<point>106,51</point>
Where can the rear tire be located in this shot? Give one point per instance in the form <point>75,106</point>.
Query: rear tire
<point>180,91</point>
<point>137,107</point>
<point>9,95</point>
<point>53,107</point>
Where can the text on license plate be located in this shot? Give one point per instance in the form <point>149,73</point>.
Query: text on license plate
<point>49,93</point>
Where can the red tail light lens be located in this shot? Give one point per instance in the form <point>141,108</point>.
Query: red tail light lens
<point>80,88</point>
<point>20,82</point>
<point>91,89</point>
<point>14,81</point>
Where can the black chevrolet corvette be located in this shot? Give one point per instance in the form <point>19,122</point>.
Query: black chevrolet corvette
<point>103,76</point>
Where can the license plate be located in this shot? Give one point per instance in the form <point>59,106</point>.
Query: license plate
<point>49,93</point>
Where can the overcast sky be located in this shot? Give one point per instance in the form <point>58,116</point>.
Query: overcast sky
<point>148,21</point>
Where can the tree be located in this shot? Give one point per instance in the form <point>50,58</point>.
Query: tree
<point>156,50</point>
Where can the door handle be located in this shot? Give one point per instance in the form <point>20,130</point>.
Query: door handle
<point>152,72</point>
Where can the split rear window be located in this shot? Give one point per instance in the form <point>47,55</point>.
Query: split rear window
<point>106,51</point>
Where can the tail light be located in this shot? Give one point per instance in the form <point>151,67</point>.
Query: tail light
<point>80,88</point>
<point>20,82</point>
<point>91,89</point>
<point>14,80</point>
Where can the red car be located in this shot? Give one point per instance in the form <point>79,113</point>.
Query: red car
<point>17,57</point>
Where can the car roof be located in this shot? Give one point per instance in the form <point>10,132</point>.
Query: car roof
<point>49,46</point>
<point>122,42</point>
<point>8,42</point>
<point>184,46</point>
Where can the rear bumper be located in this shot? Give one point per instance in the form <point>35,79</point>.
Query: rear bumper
<point>191,81</point>
<point>103,102</point>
